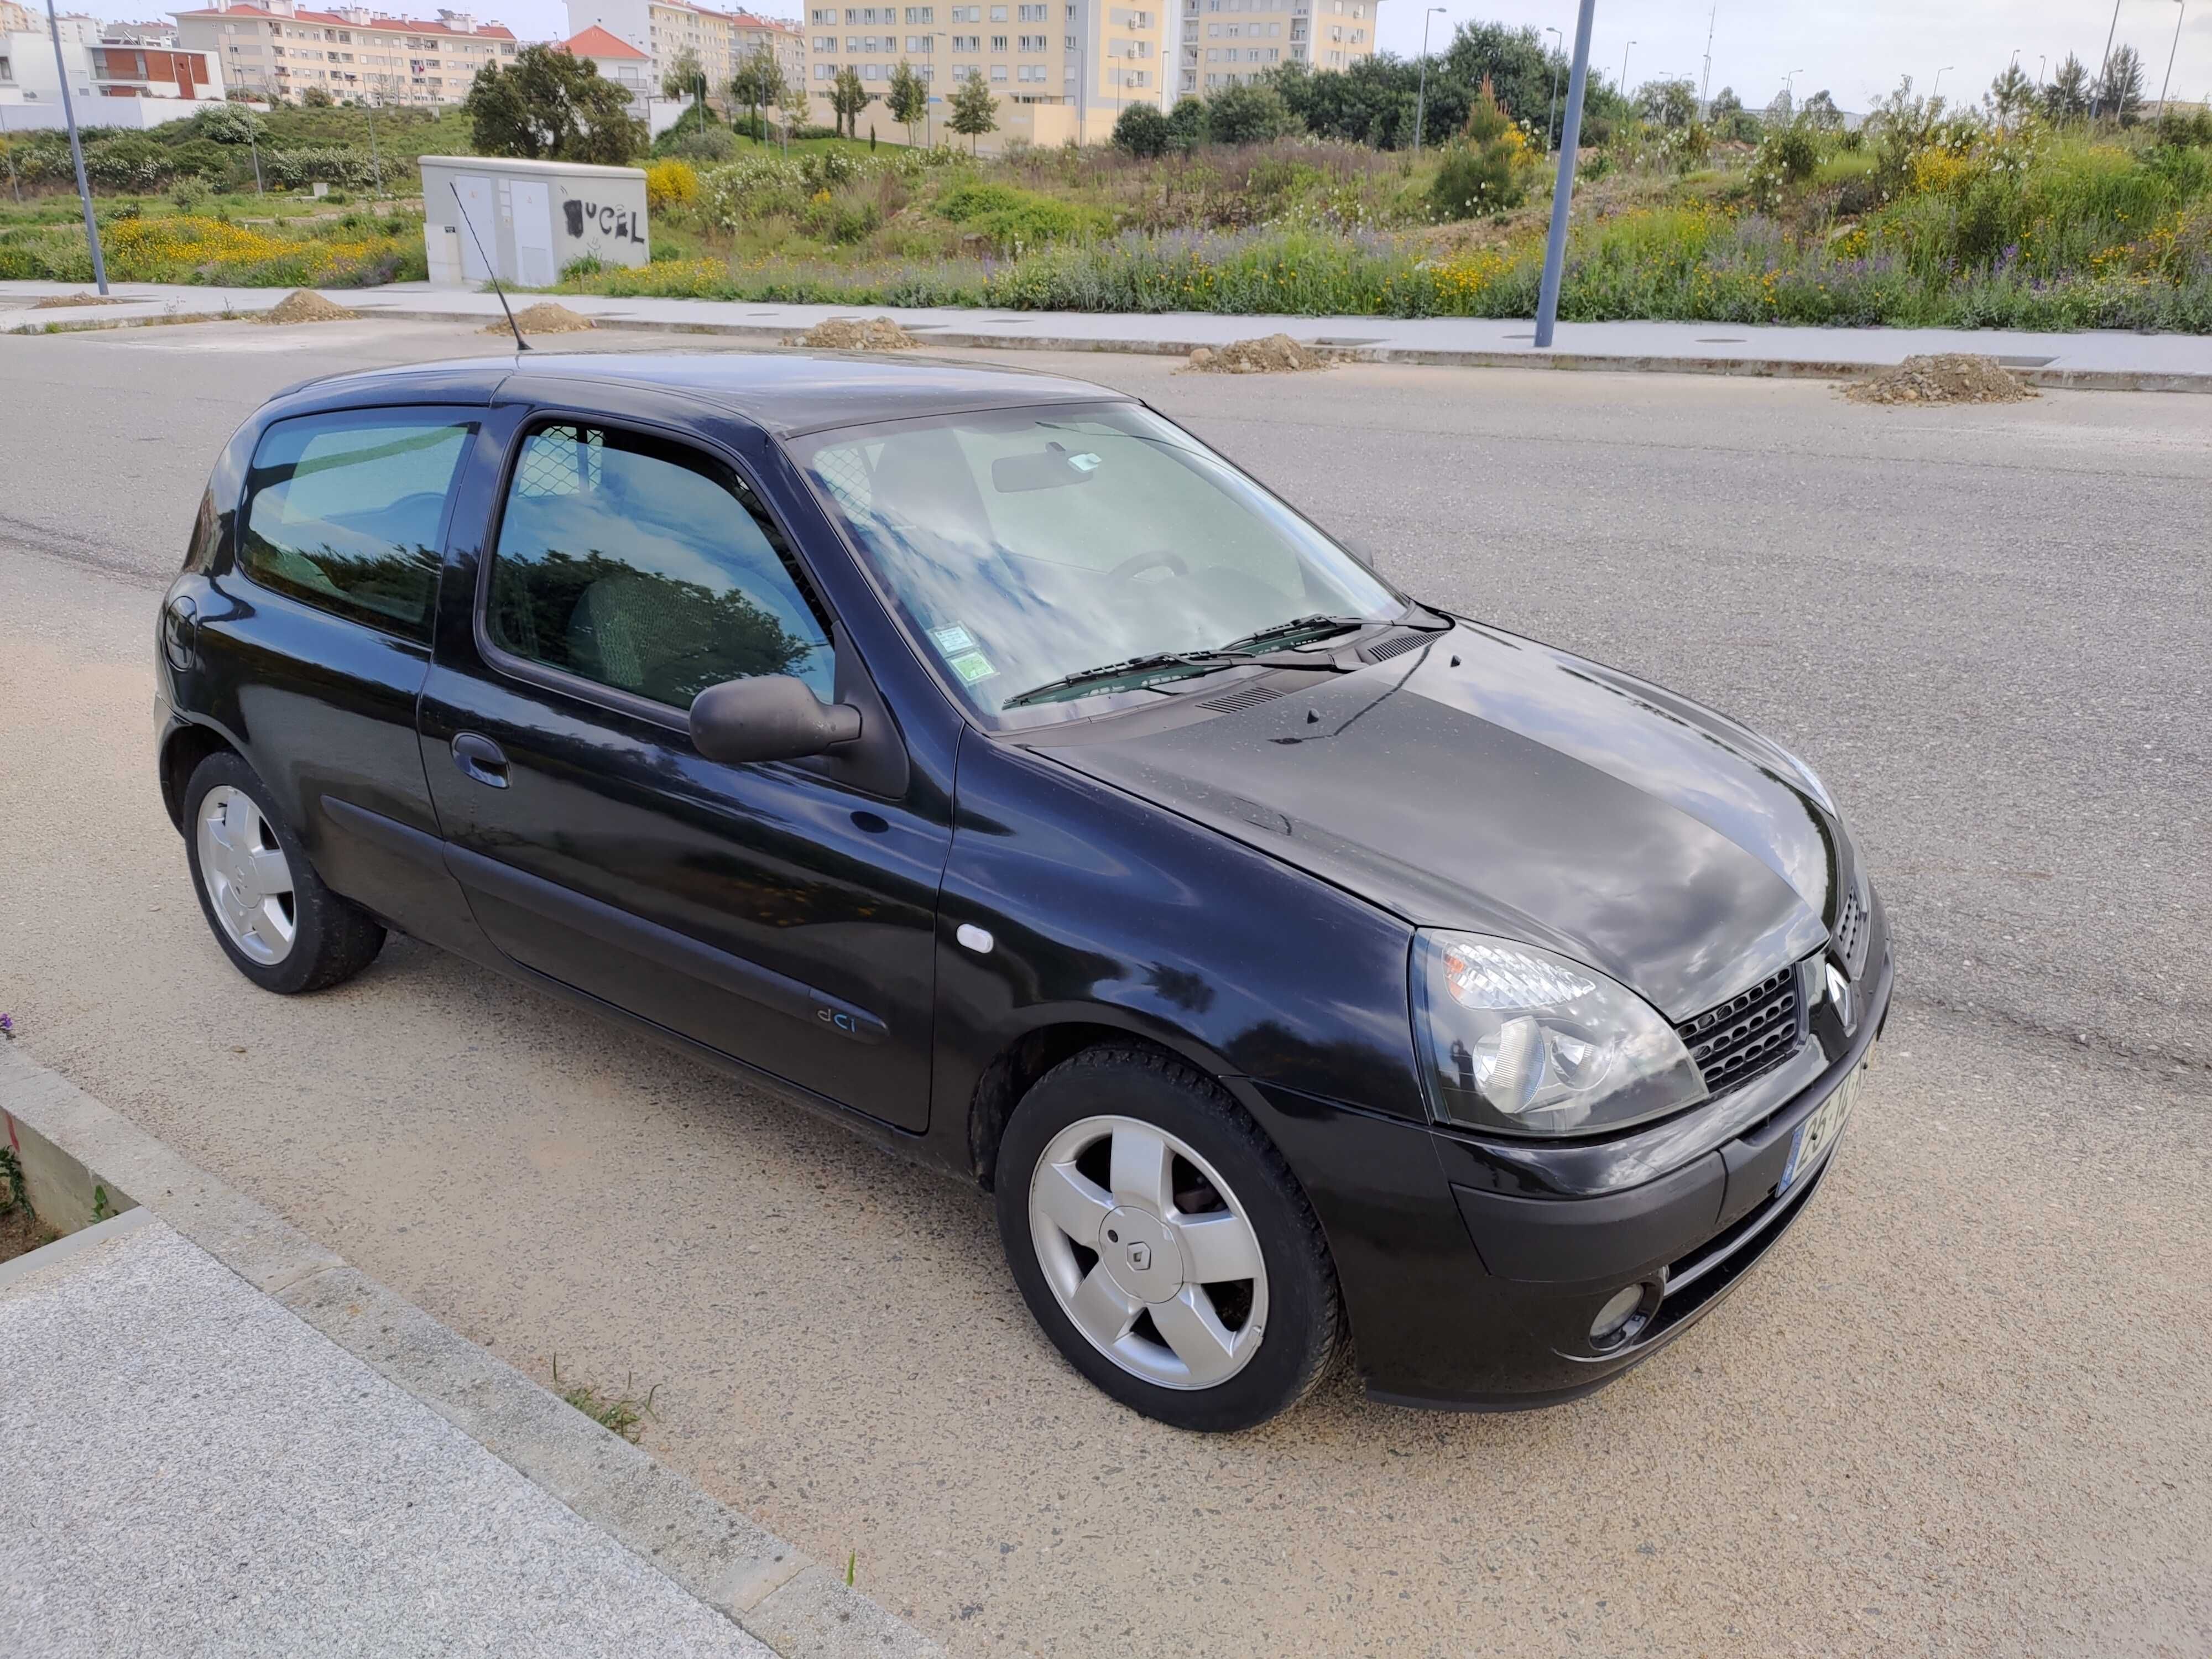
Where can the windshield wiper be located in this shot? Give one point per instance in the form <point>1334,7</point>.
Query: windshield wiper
<point>1191,662</point>
<point>1320,625</point>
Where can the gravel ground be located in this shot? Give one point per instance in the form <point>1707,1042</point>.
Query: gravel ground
<point>1960,1411</point>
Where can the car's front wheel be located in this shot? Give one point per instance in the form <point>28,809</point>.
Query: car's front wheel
<point>1163,1244</point>
<point>269,911</point>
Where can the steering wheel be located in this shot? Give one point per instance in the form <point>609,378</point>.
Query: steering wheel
<point>1162,559</point>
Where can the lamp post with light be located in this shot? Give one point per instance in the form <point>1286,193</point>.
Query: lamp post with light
<point>1421,97</point>
<point>2171,52</point>
<point>76,152</point>
<point>1551,121</point>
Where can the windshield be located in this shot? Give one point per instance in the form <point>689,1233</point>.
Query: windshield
<point>1027,548</point>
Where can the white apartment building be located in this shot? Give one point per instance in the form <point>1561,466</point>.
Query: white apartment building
<point>1061,69</point>
<point>721,39</point>
<point>281,48</point>
<point>1226,43</point>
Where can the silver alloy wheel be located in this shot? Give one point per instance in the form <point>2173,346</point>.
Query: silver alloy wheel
<point>1153,1296</point>
<point>247,880</point>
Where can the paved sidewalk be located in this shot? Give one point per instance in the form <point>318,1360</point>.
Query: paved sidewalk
<point>2101,360</point>
<point>191,1466</point>
<point>222,1440</point>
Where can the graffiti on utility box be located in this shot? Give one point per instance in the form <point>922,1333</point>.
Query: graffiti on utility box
<point>622,223</point>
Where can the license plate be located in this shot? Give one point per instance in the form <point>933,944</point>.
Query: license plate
<point>1817,1134</point>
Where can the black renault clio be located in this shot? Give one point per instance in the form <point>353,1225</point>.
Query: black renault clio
<point>977,757</point>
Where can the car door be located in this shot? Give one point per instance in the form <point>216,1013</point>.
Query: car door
<point>783,912</point>
<point>313,641</point>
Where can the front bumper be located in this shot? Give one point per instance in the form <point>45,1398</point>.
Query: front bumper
<point>1478,1292</point>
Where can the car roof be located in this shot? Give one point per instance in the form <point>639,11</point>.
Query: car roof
<point>786,393</point>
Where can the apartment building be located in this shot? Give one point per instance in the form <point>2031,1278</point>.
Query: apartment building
<point>720,39</point>
<point>280,48</point>
<point>627,66</point>
<point>1061,69</point>
<point>1226,43</point>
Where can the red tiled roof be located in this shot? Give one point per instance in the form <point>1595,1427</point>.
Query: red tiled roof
<point>596,42</point>
<point>332,20</point>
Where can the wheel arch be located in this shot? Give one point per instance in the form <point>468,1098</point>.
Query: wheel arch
<point>1023,1061</point>
<point>182,751</point>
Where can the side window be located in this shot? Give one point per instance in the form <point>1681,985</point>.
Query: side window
<point>646,567</point>
<point>343,511</point>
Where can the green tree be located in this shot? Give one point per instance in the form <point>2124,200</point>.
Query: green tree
<point>549,105</point>
<point>316,97</point>
<point>1254,113</point>
<point>974,110</point>
<point>910,97</point>
<point>1729,119</point>
<point>848,97</point>
<point>758,83</point>
<point>685,77</point>
<point>2066,97</point>
<point>2120,92</point>
<point>795,107</point>
<point>1671,104</point>
<point>1820,113</point>
<point>1142,130</point>
<point>1187,125</point>
<point>2011,96</point>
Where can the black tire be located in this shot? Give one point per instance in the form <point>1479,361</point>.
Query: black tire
<point>333,939</point>
<point>1303,1331</point>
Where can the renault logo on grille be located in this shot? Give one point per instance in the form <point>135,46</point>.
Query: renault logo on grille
<point>1839,993</point>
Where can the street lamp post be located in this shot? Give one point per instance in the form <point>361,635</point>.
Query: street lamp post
<point>1421,97</point>
<point>1623,72</point>
<point>2042,62</point>
<point>1563,190</point>
<point>1940,74</point>
<point>76,152</point>
<point>2097,103</point>
<point>1552,121</point>
<point>2168,83</point>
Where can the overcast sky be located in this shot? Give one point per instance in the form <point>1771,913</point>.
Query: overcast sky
<point>1857,49</point>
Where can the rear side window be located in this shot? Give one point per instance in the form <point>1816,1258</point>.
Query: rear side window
<point>344,511</point>
<point>649,568</point>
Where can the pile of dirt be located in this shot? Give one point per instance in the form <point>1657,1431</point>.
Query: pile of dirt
<point>52,301</point>
<point>546,317</point>
<point>1948,377</point>
<point>306,306</point>
<point>1278,354</point>
<point>851,334</point>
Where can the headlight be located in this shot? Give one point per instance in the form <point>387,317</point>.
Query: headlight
<point>1516,1039</point>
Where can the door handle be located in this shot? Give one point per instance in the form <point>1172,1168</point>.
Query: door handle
<point>480,758</point>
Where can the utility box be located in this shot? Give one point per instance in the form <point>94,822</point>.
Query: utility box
<point>522,222</point>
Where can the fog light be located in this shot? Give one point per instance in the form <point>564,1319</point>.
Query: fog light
<point>1620,1316</point>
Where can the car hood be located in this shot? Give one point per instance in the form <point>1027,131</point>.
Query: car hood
<point>1485,782</point>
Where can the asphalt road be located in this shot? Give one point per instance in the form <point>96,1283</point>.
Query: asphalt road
<point>1962,1409</point>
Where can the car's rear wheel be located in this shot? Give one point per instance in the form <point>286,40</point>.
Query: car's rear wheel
<point>269,910</point>
<point>1163,1244</point>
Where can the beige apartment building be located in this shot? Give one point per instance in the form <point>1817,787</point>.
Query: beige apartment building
<point>1226,43</point>
<point>1061,69</point>
<point>277,47</point>
<point>721,40</point>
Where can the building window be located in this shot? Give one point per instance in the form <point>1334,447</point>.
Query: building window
<point>998,72</point>
<point>999,41</point>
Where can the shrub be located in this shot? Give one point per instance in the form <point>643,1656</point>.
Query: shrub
<point>128,160</point>
<point>1487,172</point>
<point>1141,131</point>
<point>698,143</point>
<point>1247,114</point>
<point>670,182</point>
<point>1187,125</point>
<point>21,265</point>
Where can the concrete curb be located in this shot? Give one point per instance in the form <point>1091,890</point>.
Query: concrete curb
<point>1787,368</point>
<point>801,1609</point>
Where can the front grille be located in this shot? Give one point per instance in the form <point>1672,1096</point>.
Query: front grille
<point>1850,934</point>
<point>1750,1033</point>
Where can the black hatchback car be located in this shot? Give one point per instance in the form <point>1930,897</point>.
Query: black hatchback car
<point>976,756</point>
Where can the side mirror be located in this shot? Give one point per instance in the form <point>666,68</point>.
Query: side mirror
<point>769,717</point>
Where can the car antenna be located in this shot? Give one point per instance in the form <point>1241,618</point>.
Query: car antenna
<point>520,344</point>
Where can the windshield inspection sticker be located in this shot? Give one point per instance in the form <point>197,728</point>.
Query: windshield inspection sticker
<point>971,666</point>
<point>1085,462</point>
<point>953,640</point>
